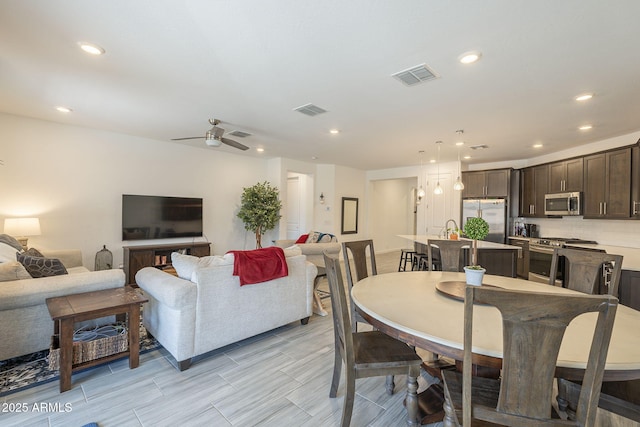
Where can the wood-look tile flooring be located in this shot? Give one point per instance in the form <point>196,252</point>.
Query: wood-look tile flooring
<point>280,378</point>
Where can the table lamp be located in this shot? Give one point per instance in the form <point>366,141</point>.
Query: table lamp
<point>20,228</point>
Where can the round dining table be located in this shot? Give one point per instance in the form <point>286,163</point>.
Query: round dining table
<point>410,307</point>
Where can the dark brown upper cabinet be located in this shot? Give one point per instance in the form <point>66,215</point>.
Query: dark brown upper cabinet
<point>607,184</point>
<point>487,183</point>
<point>566,176</point>
<point>534,184</point>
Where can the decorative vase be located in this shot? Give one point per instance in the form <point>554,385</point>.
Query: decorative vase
<point>474,276</point>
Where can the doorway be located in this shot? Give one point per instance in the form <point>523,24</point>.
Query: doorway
<point>299,206</point>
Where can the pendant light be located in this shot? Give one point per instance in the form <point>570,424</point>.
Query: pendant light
<point>421,192</point>
<point>438,190</point>
<point>458,185</point>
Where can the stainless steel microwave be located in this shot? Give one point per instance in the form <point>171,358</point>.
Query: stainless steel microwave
<point>563,204</point>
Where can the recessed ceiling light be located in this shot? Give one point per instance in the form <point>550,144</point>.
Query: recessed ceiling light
<point>537,145</point>
<point>432,161</point>
<point>584,97</point>
<point>469,57</point>
<point>64,109</point>
<point>260,150</point>
<point>585,127</point>
<point>459,143</point>
<point>467,157</point>
<point>91,48</point>
<point>334,131</point>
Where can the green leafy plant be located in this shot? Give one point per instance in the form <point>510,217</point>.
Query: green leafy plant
<point>476,229</point>
<point>260,209</point>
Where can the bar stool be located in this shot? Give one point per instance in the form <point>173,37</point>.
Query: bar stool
<point>420,253</point>
<point>406,256</point>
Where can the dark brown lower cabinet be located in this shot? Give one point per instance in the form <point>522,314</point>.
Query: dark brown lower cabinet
<point>499,262</point>
<point>629,289</point>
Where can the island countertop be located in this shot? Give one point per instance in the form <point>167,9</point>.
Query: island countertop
<point>482,244</point>
<point>497,258</point>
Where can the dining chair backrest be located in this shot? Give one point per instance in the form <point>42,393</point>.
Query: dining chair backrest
<point>339,310</point>
<point>358,250</point>
<point>450,253</point>
<point>585,268</point>
<point>533,326</point>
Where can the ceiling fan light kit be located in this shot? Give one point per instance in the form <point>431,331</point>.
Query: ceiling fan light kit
<point>214,138</point>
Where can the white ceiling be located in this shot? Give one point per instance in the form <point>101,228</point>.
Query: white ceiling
<point>171,65</point>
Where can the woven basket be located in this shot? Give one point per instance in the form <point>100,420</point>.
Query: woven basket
<point>116,341</point>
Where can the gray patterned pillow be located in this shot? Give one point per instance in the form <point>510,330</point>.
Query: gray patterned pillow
<point>33,252</point>
<point>42,267</point>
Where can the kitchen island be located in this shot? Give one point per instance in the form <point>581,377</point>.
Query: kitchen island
<point>497,258</point>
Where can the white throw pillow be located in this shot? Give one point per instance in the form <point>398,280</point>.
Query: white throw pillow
<point>7,253</point>
<point>186,265</point>
<point>294,250</point>
<point>313,237</point>
<point>13,270</point>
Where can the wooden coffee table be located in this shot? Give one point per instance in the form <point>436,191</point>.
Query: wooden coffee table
<point>67,310</point>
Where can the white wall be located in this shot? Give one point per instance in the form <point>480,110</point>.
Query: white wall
<point>325,183</point>
<point>350,183</point>
<point>73,179</point>
<point>434,210</point>
<point>391,213</point>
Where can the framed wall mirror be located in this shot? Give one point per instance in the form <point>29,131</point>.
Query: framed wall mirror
<point>349,215</point>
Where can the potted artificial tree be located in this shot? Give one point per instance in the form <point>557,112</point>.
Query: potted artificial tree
<point>260,209</point>
<point>475,229</point>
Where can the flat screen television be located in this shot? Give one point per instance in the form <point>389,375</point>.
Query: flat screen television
<point>160,217</point>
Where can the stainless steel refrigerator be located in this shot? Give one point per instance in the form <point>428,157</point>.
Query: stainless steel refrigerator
<point>494,211</point>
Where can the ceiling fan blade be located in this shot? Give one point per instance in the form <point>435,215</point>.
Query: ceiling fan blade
<point>234,144</point>
<point>190,137</point>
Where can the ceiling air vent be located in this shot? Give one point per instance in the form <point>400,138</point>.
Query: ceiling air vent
<point>418,74</point>
<point>310,110</point>
<point>239,133</point>
<point>479,147</point>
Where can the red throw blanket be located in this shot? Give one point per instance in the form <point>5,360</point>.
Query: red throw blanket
<point>260,265</point>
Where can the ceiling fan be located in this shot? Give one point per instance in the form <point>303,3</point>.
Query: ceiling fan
<point>214,138</point>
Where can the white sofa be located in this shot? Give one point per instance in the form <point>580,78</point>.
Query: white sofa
<point>207,308</point>
<point>314,251</point>
<point>25,324</point>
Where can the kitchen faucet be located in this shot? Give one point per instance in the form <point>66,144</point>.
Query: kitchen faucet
<point>446,227</point>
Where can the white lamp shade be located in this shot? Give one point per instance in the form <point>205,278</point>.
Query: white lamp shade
<point>22,226</point>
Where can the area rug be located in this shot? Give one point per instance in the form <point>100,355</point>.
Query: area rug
<point>32,369</point>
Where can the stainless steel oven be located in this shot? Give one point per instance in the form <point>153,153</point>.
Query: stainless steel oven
<point>540,256</point>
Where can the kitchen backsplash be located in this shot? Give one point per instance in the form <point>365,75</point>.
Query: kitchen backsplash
<point>605,232</point>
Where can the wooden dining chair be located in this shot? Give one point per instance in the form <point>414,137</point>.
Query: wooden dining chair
<point>533,325</point>
<point>358,251</point>
<point>450,254</point>
<point>366,354</point>
<point>585,268</point>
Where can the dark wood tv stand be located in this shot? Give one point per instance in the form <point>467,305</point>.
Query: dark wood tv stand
<point>159,256</point>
